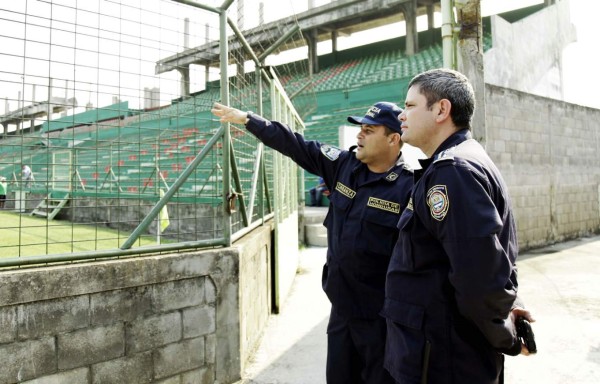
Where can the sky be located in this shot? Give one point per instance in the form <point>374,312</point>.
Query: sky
<point>100,39</point>
<point>581,59</point>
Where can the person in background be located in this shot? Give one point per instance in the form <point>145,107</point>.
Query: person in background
<point>316,193</point>
<point>451,288</point>
<point>3,191</point>
<point>26,175</point>
<point>369,187</point>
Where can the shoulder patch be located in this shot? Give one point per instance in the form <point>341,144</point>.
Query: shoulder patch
<point>438,202</point>
<point>447,154</point>
<point>409,206</point>
<point>330,152</point>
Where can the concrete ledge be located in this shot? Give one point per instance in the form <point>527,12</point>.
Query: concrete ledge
<point>314,215</point>
<point>183,317</point>
<point>316,235</point>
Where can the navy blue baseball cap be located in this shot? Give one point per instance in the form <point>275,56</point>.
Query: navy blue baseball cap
<point>382,113</point>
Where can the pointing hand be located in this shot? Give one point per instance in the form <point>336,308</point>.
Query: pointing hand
<point>228,114</point>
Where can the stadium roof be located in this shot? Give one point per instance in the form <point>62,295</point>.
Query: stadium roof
<point>342,16</point>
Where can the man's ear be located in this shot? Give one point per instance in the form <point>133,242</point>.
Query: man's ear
<point>444,110</point>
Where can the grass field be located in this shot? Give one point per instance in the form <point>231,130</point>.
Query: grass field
<point>22,235</point>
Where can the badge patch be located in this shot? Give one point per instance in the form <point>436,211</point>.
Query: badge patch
<point>332,153</point>
<point>392,176</point>
<point>341,188</point>
<point>385,205</point>
<point>437,199</point>
<point>410,204</point>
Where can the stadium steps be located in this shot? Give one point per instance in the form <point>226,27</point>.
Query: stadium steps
<point>314,232</point>
<point>51,205</point>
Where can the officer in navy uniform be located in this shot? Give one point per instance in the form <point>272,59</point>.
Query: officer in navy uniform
<point>370,185</point>
<point>451,288</point>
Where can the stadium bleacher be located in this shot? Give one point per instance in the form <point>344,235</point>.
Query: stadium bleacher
<point>129,153</point>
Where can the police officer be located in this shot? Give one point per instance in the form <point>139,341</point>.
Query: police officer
<point>451,285</point>
<point>370,186</point>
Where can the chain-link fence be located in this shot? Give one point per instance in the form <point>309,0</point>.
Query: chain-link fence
<point>107,144</point>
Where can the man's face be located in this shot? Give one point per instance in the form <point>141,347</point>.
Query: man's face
<point>372,143</point>
<point>418,121</point>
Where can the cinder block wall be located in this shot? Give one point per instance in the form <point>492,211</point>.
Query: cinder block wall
<point>180,318</point>
<point>547,151</point>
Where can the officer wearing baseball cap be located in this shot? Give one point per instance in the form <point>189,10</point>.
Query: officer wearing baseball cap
<point>369,188</point>
<point>382,113</point>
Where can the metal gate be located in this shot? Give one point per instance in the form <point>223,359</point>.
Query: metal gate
<point>61,171</point>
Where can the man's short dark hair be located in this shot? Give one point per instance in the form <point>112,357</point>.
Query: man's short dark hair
<point>442,83</point>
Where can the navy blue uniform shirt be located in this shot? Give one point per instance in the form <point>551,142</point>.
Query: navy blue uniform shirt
<point>361,221</point>
<point>452,281</point>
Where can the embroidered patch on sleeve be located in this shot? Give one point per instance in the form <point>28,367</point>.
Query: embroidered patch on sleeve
<point>332,153</point>
<point>385,205</point>
<point>345,190</point>
<point>438,202</point>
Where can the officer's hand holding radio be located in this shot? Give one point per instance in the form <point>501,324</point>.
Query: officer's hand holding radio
<point>522,319</point>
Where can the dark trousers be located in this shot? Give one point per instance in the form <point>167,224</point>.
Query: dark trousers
<point>355,349</point>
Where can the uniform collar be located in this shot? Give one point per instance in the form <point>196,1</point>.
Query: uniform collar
<point>394,172</point>
<point>390,175</point>
<point>452,141</point>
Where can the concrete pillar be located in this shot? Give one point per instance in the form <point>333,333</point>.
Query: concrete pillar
<point>185,81</point>
<point>186,33</point>
<point>410,16</point>
<point>430,20</point>
<point>311,42</point>
<point>334,36</point>
<point>470,61</point>
<point>206,67</point>
<point>184,85</point>
<point>240,15</point>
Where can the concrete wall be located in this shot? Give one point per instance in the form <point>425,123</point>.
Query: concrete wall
<point>286,266</point>
<point>540,39</point>
<point>547,151</point>
<point>255,290</point>
<point>182,318</point>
